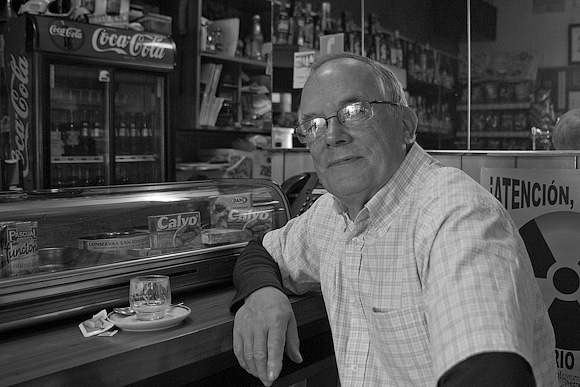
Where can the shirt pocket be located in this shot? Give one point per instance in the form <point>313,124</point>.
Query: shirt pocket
<point>403,345</point>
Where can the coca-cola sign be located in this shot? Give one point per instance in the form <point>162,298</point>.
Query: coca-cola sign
<point>67,37</point>
<point>20,100</point>
<point>142,45</point>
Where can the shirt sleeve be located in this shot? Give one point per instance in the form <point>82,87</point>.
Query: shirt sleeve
<point>489,370</point>
<point>254,269</point>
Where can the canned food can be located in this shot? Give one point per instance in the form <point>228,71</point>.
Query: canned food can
<point>114,242</point>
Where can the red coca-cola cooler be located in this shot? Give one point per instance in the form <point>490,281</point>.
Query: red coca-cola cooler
<point>88,104</point>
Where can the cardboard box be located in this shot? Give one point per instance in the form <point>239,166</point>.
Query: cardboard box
<point>18,248</point>
<point>220,207</point>
<point>159,24</point>
<point>111,13</point>
<point>255,164</point>
<point>175,230</point>
<point>219,236</point>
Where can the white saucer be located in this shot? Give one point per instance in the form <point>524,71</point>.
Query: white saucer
<point>174,316</point>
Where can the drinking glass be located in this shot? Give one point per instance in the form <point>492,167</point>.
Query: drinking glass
<point>150,296</point>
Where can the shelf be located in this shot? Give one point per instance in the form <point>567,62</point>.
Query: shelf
<point>496,106</point>
<point>247,63</point>
<point>496,134</point>
<point>76,159</point>
<point>135,158</point>
<point>227,129</point>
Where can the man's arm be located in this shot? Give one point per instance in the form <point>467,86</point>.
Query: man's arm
<point>254,269</point>
<point>264,324</point>
<point>490,370</point>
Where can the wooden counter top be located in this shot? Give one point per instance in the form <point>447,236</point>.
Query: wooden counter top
<point>57,354</point>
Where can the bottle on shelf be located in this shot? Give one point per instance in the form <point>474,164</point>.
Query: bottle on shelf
<point>256,39</point>
<point>308,26</point>
<point>299,23</point>
<point>96,134</point>
<point>283,26</point>
<point>121,135</point>
<point>398,47</point>
<point>72,135</point>
<point>134,137</point>
<point>325,19</point>
<point>85,138</point>
<point>147,138</point>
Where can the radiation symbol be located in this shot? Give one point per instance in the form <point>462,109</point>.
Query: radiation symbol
<point>553,244</point>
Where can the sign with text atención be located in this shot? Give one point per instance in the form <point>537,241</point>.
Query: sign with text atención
<point>545,206</point>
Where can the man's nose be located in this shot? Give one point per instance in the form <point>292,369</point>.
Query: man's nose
<point>335,132</point>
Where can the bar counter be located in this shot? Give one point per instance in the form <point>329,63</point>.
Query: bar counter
<point>197,352</point>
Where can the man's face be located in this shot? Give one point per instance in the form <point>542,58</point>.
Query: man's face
<point>352,163</point>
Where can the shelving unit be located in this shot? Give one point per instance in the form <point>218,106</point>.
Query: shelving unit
<point>507,128</point>
<point>190,136</point>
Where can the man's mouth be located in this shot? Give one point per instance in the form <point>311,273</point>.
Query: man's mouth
<point>342,160</point>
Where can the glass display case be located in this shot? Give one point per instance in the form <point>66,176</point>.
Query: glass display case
<point>71,251</point>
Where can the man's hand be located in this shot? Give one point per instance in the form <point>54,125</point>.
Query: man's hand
<point>263,326</point>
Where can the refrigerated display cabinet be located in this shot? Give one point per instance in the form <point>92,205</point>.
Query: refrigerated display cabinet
<point>91,241</point>
<point>89,103</point>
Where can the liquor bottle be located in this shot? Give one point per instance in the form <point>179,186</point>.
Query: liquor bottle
<point>423,63</point>
<point>317,32</point>
<point>399,61</point>
<point>283,26</point>
<point>308,26</point>
<point>299,24</point>
<point>325,24</point>
<point>383,49</point>
<point>410,60</point>
<point>256,39</point>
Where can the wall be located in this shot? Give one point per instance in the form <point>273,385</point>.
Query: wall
<point>519,28</point>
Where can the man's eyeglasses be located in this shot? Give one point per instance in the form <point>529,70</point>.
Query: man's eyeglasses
<point>351,115</point>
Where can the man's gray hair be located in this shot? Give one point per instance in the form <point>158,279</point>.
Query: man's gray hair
<point>391,87</point>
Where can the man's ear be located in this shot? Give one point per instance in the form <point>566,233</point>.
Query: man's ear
<point>410,122</point>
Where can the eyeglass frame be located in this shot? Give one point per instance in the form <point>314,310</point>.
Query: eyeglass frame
<point>302,138</point>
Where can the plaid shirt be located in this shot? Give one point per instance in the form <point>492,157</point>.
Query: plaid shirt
<point>431,272</point>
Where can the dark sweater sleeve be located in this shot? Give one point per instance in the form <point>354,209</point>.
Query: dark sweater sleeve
<point>490,369</point>
<point>254,269</point>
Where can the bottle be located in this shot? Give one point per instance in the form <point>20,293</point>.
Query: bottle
<point>96,134</point>
<point>283,27</point>
<point>219,42</point>
<point>257,39</point>
<point>134,139</point>
<point>384,49</point>
<point>325,25</point>
<point>85,137</point>
<point>308,26</point>
<point>399,59</point>
<point>122,135</point>
<point>299,24</point>
<point>410,60</point>
<point>147,138</point>
<point>56,139</point>
<point>71,147</point>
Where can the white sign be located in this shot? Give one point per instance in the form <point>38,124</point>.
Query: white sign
<point>302,62</point>
<point>545,206</point>
<point>331,43</point>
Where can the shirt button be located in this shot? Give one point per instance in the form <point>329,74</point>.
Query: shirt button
<point>354,368</point>
<point>355,240</point>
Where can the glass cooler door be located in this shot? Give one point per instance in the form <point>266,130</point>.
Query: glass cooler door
<point>138,127</point>
<point>78,151</point>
